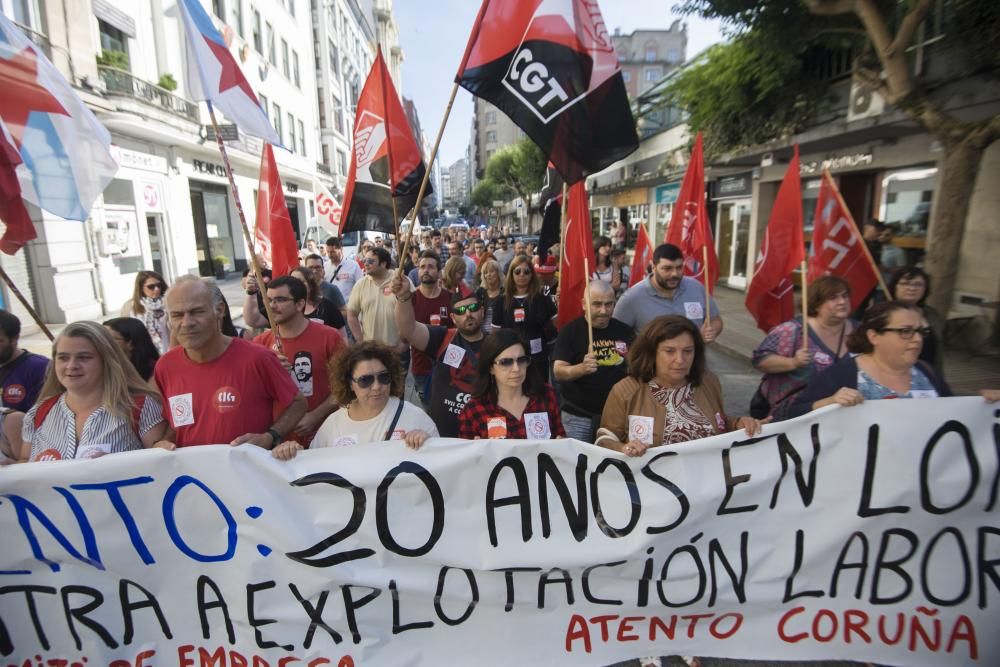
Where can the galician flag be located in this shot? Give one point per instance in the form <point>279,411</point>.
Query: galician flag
<point>213,75</point>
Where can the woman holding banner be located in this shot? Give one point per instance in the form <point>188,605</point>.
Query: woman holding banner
<point>508,400</point>
<point>367,382</point>
<point>93,401</point>
<point>887,343</point>
<point>669,397</point>
<point>786,364</point>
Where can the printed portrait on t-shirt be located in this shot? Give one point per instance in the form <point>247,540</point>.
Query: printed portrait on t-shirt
<point>302,368</point>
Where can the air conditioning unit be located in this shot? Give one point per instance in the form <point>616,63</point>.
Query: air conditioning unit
<point>864,103</point>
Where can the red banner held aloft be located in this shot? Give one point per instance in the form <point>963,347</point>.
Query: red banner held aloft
<point>688,229</point>
<point>273,230</point>
<point>579,245</point>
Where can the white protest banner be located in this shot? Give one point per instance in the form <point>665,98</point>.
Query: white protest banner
<point>868,533</point>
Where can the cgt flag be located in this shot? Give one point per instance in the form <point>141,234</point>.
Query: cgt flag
<point>273,230</point>
<point>551,67</point>
<point>579,245</point>
<point>837,246</point>
<point>386,163</point>
<point>63,160</point>
<point>770,297</point>
<point>213,75</point>
<point>643,256</point>
<point>688,229</point>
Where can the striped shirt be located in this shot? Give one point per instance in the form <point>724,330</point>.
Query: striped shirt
<point>103,433</point>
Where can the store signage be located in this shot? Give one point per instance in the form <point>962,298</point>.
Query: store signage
<point>227,132</point>
<point>633,197</point>
<point>151,196</point>
<point>667,194</point>
<point>136,160</point>
<point>736,185</point>
<point>291,187</point>
<point>836,163</point>
<point>209,168</point>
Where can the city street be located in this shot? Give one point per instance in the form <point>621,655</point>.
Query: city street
<point>739,380</point>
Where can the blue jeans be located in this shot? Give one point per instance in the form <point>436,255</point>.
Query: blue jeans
<point>581,428</point>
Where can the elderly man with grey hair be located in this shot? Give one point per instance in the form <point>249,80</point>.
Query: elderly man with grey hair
<point>586,373</point>
<point>217,389</point>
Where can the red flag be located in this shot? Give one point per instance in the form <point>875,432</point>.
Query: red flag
<point>643,256</point>
<point>19,229</point>
<point>386,162</point>
<point>688,229</point>
<point>552,67</point>
<point>769,298</point>
<point>274,227</point>
<point>837,246</point>
<point>579,245</point>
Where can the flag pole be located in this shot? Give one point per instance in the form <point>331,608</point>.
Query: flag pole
<point>430,165</point>
<point>255,265</point>
<point>562,239</point>
<point>586,306</point>
<point>26,304</point>
<point>803,270</point>
<point>704,272</point>
<point>857,234</point>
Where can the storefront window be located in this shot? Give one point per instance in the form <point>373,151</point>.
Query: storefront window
<point>906,200</point>
<point>810,195</point>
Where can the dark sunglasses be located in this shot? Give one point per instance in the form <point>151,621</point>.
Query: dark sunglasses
<point>522,272</point>
<point>365,381</point>
<point>507,362</point>
<point>467,308</point>
<point>906,333</point>
<point>159,286</point>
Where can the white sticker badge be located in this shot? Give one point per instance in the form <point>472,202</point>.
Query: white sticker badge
<point>453,355</point>
<point>536,425</point>
<point>641,429</point>
<point>693,310</point>
<point>181,410</point>
<point>536,345</point>
<point>345,441</point>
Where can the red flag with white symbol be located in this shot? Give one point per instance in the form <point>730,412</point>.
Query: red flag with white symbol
<point>274,226</point>
<point>643,256</point>
<point>579,245</point>
<point>837,246</point>
<point>770,298</point>
<point>688,229</point>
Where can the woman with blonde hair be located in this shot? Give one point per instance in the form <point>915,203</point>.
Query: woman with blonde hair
<point>524,308</point>
<point>453,276</point>
<point>490,279</point>
<point>147,306</point>
<point>93,401</point>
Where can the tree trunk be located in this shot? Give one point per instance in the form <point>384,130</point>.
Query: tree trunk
<point>957,172</point>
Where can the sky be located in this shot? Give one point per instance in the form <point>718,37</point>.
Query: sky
<point>433,36</point>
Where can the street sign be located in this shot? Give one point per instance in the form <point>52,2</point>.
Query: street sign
<point>228,132</point>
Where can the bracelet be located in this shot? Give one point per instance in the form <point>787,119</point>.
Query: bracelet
<point>403,300</point>
<point>275,437</point>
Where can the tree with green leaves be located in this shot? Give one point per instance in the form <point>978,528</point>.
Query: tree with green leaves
<point>514,171</point>
<point>759,88</point>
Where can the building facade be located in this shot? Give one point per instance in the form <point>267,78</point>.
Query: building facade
<point>491,131</point>
<point>646,56</point>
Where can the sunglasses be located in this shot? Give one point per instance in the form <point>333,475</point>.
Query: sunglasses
<point>522,272</point>
<point>508,362</point>
<point>159,286</point>
<point>467,308</point>
<point>906,333</point>
<point>370,260</point>
<point>365,381</point>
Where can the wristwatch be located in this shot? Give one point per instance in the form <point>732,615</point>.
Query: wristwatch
<point>275,437</point>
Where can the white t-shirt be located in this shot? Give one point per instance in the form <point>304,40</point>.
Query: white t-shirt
<point>344,275</point>
<point>339,429</point>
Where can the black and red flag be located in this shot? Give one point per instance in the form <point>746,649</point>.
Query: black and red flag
<point>551,66</point>
<point>386,163</point>
<point>551,209</point>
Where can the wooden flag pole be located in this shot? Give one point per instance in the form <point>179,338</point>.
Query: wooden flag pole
<point>803,270</point>
<point>857,234</point>
<point>704,272</point>
<point>243,223</point>
<point>427,171</point>
<point>562,240</point>
<point>586,306</point>
<point>26,304</point>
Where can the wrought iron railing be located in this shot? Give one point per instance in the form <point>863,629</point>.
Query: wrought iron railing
<point>124,83</point>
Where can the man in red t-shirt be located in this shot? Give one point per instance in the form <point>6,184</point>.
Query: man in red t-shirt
<point>306,350</point>
<point>217,389</point>
<point>431,306</point>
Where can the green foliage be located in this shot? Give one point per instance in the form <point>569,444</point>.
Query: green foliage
<point>167,82</point>
<point>484,194</point>
<point>116,59</point>
<point>514,171</point>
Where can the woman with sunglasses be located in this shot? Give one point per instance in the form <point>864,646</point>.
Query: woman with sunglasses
<point>490,288</point>
<point>887,344</point>
<point>367,382</point>
<point>508,401</point>
<point>146,305</point>
<point>525,309</point>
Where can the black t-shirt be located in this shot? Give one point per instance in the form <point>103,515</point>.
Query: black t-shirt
<point>328,314</point>
<point>585,396</point>
<point>456,361</point>
<point>532,318</point>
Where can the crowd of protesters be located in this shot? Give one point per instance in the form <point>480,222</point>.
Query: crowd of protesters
<point>470,316</point>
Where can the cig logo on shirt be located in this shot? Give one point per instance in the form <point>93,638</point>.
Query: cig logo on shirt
<point>226,399</point>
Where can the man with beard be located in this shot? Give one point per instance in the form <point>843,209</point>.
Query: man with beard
<point>455,352</point>
<point>587,373</point>
<point>431,306</point>
<point>21,372</point>
<point>668,292</point>
<point>369,310</point>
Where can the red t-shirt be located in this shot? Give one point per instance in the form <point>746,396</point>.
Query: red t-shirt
<point>310,354</point>
<point>434,312</point>
<point>216,402</point>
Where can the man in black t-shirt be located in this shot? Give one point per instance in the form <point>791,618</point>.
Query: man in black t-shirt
<point>455,352</point>
<point>586,376</point>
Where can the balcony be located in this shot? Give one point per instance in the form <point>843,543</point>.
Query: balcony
<point>120,82</point>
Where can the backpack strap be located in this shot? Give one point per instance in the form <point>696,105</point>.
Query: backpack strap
<point>44,408</point>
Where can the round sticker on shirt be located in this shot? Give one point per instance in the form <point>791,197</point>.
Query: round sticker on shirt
<point>226,399</point>
<point>536,425</point>
<point>345,440</point>
<point>693,310</point>
<point>387,290</point>
<point>13,394</point>
<point>48,455</point>
<point>822,358</point>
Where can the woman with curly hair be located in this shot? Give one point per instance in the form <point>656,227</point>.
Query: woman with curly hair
<point>367,382</point>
